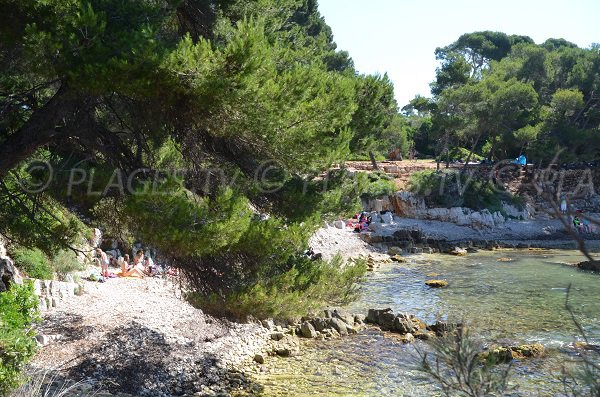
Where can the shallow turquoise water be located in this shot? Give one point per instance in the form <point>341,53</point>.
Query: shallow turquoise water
<point>522,300</point>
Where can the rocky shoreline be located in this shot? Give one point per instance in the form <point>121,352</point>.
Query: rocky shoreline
<point>140,338</point>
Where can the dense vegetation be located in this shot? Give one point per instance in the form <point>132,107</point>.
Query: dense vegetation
<point>499,96</point>
<point>178,123</point>
<point>17,343</point>
<point>450,188</point>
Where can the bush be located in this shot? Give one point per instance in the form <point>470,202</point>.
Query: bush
<point>18,311</point>
<point>65,262</point>
<point>459,153</point>
<point>377,185</point>
<point>453,189</point>
<point>306,287</point>
<point>33,262</point>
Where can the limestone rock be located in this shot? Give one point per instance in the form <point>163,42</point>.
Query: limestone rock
<point>504,354</point>
<point>404,326</point>
<point>8,274</point>
<point>373,315</point>
<point>408,338</point>
<point>339,224</point>
<point>319,324</point>
<point>307,330</point>
<point>442,327</point>
<point>339,326</point>
<point>398,258</point>
<point>344,316</point>
<point>533,350</point>
<point>387,321</point>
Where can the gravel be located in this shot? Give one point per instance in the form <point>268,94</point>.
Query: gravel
<point>139,337</point>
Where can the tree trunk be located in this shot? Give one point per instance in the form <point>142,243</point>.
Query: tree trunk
<point>470,153</point>
<point>492,149</point>
<point>447,149</point>
<point>38,131</point>
<point>373,161</point>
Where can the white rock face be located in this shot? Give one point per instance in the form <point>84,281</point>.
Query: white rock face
<point>414,207</point>
<point>3,253</point>
<point>387,218</point>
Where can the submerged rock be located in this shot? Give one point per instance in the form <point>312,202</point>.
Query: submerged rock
<point>436,283</point>
<point>442,327</point>
<point>398,258</point>
<point>505,354</point>
<point>424,335</point>
<point>533,350</point>
<point>505,260</point>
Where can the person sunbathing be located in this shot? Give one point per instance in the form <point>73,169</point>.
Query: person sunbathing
<point>137,270</point>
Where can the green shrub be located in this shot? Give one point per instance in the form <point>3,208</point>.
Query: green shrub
<point>306,287</point>
<point>65,262</point>
<point>33,262</point>
<point>377,185</point>
<point>459,153</point>
<point>454,189</point>
<point>18,311</point>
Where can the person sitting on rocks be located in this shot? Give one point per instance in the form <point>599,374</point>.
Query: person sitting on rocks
<point>577,223</point>
<point>124,264</point>
<point>137,270</point>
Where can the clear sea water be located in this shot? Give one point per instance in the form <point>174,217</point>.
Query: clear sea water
<point>522,301</point>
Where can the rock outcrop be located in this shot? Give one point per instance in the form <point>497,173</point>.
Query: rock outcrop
<point>405,324</point>
<point>333,324</point>
<point>8,274</point>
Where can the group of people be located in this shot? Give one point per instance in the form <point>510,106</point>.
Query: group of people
<point>363,220</point>
<point>581,223</point>
<point>140,266</point>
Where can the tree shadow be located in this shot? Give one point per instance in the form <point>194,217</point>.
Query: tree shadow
<point>68,325</point>
<point>140,361</point>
